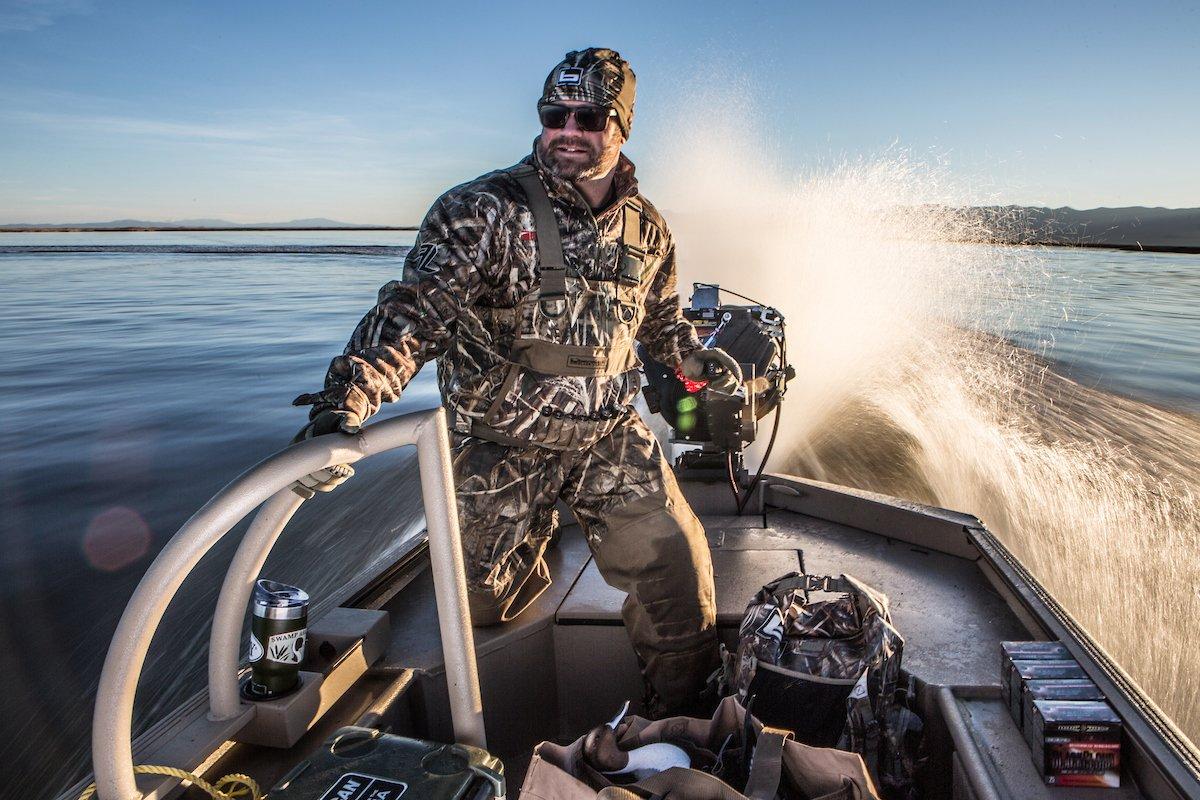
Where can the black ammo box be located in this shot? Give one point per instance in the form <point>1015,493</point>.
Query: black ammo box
<point>364,764</point>
<point>1071,689</point>
<point>1024,671</point>
<point>1075,742</point>
<point>1024,651</point>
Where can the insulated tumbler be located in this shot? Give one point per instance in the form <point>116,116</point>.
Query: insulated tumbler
<point>278,632</point>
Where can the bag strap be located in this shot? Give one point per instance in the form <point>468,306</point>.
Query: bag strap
<point>625,793</point>
<point>685,784</point>
<point>871,738</point>
<point>551,264</point>
<point>807,583</point>
<point>766,766</point>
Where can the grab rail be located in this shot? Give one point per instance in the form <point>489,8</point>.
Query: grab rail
<point>270,481</point>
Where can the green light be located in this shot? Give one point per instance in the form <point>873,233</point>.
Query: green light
<point>686,405</point>
<point>685,422</point>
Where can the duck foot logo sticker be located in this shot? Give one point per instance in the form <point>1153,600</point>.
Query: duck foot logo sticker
<point>256,648</point>
<point>287,648</point>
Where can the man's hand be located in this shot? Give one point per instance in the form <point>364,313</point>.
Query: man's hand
<point>328,479</point>
<point>715,366</point>
<point>329,421</point>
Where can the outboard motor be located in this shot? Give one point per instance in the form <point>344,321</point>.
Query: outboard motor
<point>723,424</point>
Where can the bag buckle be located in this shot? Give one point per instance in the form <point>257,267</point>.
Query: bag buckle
<point>819,583</point>
<point>633,264</point>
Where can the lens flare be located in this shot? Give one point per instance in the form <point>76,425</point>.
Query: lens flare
<point>116,538</point>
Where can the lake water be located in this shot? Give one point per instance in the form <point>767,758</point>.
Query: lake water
<point>138,380</point>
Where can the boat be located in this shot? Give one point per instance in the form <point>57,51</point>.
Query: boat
<point>395,653</point>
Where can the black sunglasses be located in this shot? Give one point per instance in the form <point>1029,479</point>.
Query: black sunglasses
<point>588,118</point>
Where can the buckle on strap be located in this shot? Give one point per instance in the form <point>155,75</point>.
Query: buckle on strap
<point>633,263</point>
<point>823,583</point>
<point>551,262</point>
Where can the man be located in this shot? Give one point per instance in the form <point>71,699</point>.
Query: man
<point>531,286</point>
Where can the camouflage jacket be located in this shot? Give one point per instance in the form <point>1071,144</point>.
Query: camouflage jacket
<point>472,268</point>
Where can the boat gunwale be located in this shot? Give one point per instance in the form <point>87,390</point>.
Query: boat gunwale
<point>1173,756</point>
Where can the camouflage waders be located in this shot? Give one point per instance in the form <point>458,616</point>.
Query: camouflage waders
<point>646,540</point>
<point>531,302</point>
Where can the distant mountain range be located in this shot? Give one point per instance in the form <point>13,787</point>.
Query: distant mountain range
<point>1135,227</point>
<point>141,224</point>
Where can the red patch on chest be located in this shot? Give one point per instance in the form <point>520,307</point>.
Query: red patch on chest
<point>528,236</point>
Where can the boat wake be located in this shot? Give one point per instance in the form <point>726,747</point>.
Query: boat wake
<point>1095,493</point>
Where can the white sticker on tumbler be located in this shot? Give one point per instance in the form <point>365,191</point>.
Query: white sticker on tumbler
<point>256,648</point>
<point>287,648</point>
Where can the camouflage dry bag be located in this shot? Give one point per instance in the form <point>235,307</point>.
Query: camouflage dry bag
<point>828,670</point>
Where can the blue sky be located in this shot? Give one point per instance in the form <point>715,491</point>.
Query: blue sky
<point>363,111</point>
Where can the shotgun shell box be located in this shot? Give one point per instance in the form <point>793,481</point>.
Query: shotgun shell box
<point>1038,671</point>
<point>1075,742</point>
<point>1025,651</point>
<point>1077,689</point>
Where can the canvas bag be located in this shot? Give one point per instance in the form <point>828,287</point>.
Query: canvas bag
<point>560,773</point>
<point>828,670</point>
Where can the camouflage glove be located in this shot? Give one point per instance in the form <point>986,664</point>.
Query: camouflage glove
<point>715,366</point>
<point>328,479</point>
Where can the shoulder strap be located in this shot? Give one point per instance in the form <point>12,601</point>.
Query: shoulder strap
<point>634,258</point>
<point>631,226</point>
<point>551,263</point>
<point>766,767</point>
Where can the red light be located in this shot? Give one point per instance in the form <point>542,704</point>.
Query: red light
<point>689,385</point>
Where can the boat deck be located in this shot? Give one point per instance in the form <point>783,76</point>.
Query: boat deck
<point>566,664</point>
<point>951,617</point>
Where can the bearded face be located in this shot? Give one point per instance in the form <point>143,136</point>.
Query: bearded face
<point>578,155</point>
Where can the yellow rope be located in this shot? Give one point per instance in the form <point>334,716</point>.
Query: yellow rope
<point>228,788</point>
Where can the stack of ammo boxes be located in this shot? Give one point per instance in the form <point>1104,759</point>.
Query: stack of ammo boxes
<point>1072,732</point>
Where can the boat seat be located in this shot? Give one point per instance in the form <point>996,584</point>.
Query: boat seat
<point>589,621</point>
<point>737,575</point>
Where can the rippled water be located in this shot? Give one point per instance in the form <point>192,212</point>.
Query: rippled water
<point>134,384</point>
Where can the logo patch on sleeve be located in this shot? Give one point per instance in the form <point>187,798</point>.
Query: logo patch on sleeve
<point>570,76</point>
<point>424,257</point>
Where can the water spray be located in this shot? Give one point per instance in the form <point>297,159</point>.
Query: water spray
<point>901,317</point>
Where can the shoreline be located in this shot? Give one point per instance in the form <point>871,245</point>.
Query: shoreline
<point>1144,248</point>
<point>189,229</point>
<point>1136,248</point>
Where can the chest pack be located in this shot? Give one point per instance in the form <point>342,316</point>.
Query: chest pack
<point>575,326</point>
<point>570,326</point>
<point>828,670</point>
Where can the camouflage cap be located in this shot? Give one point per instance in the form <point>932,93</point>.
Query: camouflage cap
<point>595,75</point>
